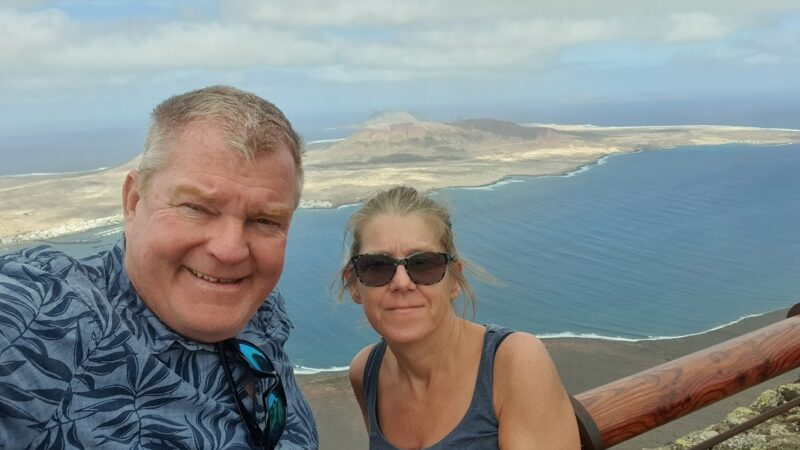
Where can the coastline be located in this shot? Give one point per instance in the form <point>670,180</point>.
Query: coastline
<point>583,363</point>
<point>34,210</point>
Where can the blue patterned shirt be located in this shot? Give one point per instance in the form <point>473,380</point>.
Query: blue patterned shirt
<point>85,364</point>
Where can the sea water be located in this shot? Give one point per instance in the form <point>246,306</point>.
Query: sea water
<point>652,245</point>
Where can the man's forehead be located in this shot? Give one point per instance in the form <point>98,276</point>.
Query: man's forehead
<point>195,190</point>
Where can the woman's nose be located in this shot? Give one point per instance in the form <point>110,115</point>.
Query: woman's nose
<point>401,279</point>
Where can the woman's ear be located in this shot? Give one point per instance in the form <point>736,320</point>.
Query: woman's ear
<point>352,288</point>
<point>455,291</point>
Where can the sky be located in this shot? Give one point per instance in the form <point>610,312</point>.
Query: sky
<point>83,75</point>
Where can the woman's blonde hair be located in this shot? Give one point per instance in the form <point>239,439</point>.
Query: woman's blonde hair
<point>405,201</point>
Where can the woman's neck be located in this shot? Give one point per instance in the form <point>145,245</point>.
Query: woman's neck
<point>439,355</point>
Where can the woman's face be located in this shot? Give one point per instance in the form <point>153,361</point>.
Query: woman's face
<point>402,311</point>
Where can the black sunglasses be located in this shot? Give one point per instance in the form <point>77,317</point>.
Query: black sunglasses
<point>423,268</point>
<point>274,398</point>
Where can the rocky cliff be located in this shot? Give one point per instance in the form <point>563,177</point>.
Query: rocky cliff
<point>779,433</point>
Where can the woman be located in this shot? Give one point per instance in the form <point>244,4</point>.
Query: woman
<point>436,380</point>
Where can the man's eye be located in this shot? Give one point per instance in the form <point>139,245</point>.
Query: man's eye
<point>193,207</point>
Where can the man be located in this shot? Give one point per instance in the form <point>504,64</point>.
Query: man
<point>137,346</point>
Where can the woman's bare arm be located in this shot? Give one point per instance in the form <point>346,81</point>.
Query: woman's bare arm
<point>532,406</point>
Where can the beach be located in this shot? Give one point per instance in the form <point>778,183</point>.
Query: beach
<point>582,363</point>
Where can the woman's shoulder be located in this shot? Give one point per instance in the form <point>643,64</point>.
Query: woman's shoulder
<point>519,358</point>
<point>523,364</point>
<point>357,365</point>
<point>522,344</point>
<point>529,398</point>
<point>519,353</point>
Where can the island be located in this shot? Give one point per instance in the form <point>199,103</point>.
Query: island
<point>390,149</point>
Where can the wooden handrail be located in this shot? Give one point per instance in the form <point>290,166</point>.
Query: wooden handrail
<point>633,405</point>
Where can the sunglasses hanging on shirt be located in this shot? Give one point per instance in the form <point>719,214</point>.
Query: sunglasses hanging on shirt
<point>273,399</point>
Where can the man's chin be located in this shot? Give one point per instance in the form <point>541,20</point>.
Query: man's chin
<point>210,336</point>
<point>210,329</point>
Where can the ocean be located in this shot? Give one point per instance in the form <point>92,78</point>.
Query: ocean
<point>652,245</point>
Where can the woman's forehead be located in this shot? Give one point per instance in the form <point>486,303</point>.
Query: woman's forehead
<point>399,232</point>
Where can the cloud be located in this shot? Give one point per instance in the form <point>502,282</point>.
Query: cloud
<point>371,13</point>
<point>24,35</point>
<point>697,27</point>
<point>181,46</point>
<point>49,44</point>
<point>378,40</point>
<point>22,3</point>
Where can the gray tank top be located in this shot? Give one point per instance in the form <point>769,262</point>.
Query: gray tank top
<point>478,427</point>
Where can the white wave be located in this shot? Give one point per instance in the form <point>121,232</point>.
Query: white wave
<point>493,186</point>
<point>314,204</point>
<point>110,231</point>
<point>599,162</point>
<point>325,141</point>
<point>577,171</point>
<point>582,169</point>
<point>301,370</point>
<point>348,205</point>
<point>571,335</point>
<point>46,174</point>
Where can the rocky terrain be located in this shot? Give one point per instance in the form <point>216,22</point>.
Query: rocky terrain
<point>779,433</point>
<point>429,155</point>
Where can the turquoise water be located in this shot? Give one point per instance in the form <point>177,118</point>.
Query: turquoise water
<point>649,245</point>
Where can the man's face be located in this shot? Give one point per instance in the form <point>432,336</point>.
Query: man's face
<point>205,243</point>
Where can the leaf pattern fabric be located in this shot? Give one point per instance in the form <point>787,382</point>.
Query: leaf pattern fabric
<point>85,364</point>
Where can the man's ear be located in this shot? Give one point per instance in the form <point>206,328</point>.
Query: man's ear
<point>455,291</point>
<point>131,194</point>
<point>352,288</point>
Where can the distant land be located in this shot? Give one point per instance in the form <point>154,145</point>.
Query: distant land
<point>392,148</point>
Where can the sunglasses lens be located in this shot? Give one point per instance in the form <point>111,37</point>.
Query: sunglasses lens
<point>375,270</point>
<point>276,413</point>
<point>274,397</point>
<point>422,268</point>
<point>255,357</point>
<point>426,267</point>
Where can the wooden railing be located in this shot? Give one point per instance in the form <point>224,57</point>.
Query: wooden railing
<point>620,410</point>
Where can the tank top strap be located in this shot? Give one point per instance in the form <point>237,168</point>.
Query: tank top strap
<point>495,335</point>
<point>370,380</point>
<point>478,428</point>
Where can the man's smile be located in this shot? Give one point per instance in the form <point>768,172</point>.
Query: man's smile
<point>211,279</point>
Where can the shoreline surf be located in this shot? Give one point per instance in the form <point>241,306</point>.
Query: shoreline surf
<point>303,370</point>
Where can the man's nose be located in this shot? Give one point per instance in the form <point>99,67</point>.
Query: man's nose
<point>228,242</point>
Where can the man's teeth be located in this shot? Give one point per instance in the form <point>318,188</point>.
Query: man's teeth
<point>211,279</point>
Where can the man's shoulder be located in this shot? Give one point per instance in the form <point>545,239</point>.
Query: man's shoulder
<point>43,262</point>
<point>41,283</point>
